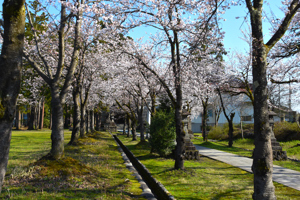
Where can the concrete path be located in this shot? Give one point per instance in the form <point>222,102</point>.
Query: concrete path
<point>287,177</point>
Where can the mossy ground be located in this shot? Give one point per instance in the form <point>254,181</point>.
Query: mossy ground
<point>92,169</point>
<point>203,179</point>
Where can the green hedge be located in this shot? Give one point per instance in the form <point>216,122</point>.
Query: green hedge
<point>221,132</point>
<point>286,131</point>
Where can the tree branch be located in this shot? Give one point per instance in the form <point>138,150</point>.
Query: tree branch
<point>37,68</point>
<point>285,82</point>
<point>294,6</point>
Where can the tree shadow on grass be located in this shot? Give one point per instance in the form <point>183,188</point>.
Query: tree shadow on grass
<point>229,194</point>
<point>27,192</point>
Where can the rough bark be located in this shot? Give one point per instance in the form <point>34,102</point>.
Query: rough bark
<point>67,118</point>
<point>180,143</point>
<point>133,127</point>
<point>76,117</point>
<point>204,120</point>
<point>57,134</point>
<point>10,76</point>
<point>262,156</point>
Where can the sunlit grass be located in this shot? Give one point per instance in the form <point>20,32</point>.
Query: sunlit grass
<point>204,179</point>
<point>93,169</point>
<point>29,146</point>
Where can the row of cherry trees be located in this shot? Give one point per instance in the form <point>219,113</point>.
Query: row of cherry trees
<point>82,53</point>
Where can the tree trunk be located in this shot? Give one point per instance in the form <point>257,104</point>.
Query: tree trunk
<point>217,115</point>
<point>57,134</point>
<point>180,143</point>
<point>50,124</point>
<point>141,122</point>
<point>129,126</point>
<point>153,102</point>
<point>31,118</point>
<point>42,110</point>
<point>22,119</point>
<point>124,126</point>
<point>10,76</point>
<point>37,116</point>
<point>230,133</point>
<point>92,121</point>
<point>98,120</point>
<point>18,118</point>
<point>204,120</point>
<point>262,155</point>
<point>87,121</point>
<point>133,126</point>
<point>179,162</point>
<point>82,121</point>
<point>76,117</point>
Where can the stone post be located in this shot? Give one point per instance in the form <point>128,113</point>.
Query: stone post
<point>278,154</point>
<point>190,150</point>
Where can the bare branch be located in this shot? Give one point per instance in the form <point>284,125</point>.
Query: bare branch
<point>294,6</point>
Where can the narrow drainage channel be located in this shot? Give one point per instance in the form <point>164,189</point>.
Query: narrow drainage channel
<point>157,190</point>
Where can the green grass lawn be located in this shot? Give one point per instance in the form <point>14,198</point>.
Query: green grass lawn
<point>93,169</point>
<point>204,179</point>
<point>28,146</point>
<point>242,146</point>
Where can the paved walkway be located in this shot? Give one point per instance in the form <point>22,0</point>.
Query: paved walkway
<point>287,177</point>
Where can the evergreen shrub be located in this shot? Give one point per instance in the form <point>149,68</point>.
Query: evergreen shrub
<point>162,132</point>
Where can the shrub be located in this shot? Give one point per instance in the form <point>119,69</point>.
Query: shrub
<point>221,133</point>
<point>286,131</point>
<point>248,131</point>
<point>162,132</point>
<point>218,133</point>
<point>46,122</point>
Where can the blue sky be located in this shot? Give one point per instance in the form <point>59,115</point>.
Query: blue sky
<point>232,26</point>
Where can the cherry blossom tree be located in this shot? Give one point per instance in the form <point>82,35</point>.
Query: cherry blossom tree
<point>171,19</point>
<point>262,157</point>
<point>10,76</point>
<point>42,57</point>
<point>88,76</point>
